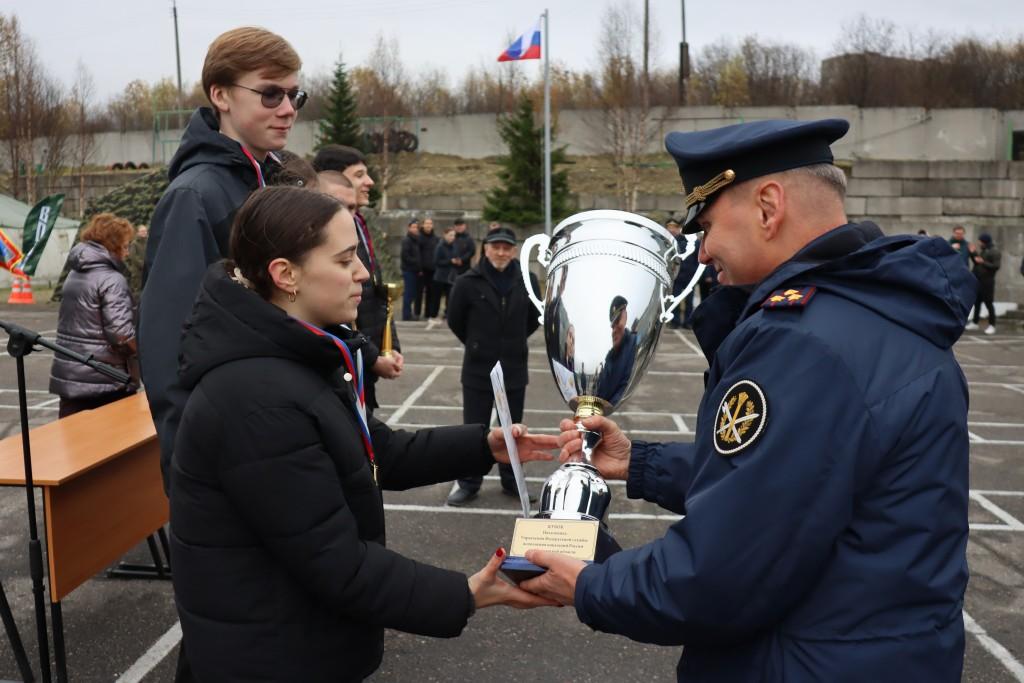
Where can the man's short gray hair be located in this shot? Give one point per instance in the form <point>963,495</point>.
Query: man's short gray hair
<point>832,176</point>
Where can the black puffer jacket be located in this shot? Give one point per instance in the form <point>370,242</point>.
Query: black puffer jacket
<point>492,326</point>
<point>96,318</point>
<point>210,179</point>
<point>277,527</point>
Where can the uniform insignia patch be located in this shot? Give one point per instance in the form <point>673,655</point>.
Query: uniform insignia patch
<point>741,417</point>
<point>793,297</point>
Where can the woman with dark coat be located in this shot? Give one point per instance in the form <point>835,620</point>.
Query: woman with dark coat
<point>489,312</point>
<point>277,522</point>
<point>97,317</point>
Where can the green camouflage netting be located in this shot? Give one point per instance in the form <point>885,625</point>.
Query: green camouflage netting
<point>133,201</point>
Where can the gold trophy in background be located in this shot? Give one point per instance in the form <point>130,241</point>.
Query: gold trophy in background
<point>393,291</point>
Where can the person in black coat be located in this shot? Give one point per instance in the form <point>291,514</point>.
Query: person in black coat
<point>277,522</point>
<point>425,296</point>
<point>342,173</point>
<point>491,315</point>
<point>411,262</point>
<point>465,247</point>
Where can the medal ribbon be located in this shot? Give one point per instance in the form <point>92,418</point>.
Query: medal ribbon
<point>355,369</point>
<point>256,165</point>
<point>364,232</point>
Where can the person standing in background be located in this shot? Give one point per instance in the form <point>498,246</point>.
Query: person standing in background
<point>342,173</point>
<point>444,270</point>
<point>425,297</point>
<point>411,262</point>
<point>491,315</point>
<point>97,317</point>
<point>465,247</point>
<point>986,259</point>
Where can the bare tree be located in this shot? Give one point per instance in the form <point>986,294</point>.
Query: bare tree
<point>382,89</point>
<point>623,95</point>
<point>84,146</point>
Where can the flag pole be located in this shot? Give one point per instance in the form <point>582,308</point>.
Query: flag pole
<point>547,132</point>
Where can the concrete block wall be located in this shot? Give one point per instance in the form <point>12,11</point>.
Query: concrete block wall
<point>982,196</point>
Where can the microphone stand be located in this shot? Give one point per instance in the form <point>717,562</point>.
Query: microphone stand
<point>22,342</point>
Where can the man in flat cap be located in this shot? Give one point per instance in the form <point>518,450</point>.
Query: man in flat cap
<point>825,495</point>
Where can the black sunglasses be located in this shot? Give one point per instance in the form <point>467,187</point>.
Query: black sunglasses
<point>272,97</point>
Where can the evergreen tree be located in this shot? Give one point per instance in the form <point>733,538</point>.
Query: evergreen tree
<point>340,125</point>
<point>520,197</point>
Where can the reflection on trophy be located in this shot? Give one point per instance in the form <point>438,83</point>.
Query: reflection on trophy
<point>609,289</point>
<point>387,344</point>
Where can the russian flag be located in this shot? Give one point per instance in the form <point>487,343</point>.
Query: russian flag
<point>526,46</point>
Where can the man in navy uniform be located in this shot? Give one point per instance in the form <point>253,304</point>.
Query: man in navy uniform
<point>825,496</point>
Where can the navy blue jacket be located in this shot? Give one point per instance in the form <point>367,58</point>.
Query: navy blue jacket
<point>832,546</point>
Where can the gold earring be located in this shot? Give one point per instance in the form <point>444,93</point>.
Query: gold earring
<point>292,294</point>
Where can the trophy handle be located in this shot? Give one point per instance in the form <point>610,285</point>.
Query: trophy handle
<point>541,241</point>
<point>669,303</point>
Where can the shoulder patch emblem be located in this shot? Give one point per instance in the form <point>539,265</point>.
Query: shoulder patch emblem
<point>741,417</point>
<point>789,298</point>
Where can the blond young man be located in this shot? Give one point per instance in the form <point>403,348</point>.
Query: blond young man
<point>250,77</point>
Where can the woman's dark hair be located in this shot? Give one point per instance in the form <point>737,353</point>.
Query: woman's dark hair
<point>278,222</point>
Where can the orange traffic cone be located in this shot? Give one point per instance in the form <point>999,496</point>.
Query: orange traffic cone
<point>21,292</point>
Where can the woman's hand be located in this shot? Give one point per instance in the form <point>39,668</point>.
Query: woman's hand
<point>530,446</point>
<point>611,457</point>
<point>489,589</point>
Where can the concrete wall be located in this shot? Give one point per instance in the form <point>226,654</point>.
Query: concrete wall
<point>884,133</point>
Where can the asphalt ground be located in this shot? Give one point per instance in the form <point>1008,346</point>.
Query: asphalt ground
<point>127,630</point>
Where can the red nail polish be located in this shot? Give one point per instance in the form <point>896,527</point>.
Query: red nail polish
<point>500,552</point>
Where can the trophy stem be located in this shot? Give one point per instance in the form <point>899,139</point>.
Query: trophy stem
<point>588,406</point>
<point>387,343</point>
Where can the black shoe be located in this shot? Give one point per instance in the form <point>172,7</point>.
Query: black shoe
<point>515,494</point>
<point>460,496</point>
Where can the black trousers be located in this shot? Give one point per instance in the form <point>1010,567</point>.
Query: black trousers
<point>476,409</point>
<point>424,294</point>
<point>986,293</point>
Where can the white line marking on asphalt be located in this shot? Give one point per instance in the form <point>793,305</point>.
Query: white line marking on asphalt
<point>413,397</point>
<point>994,647</point>
<point>14,407</point>
<point>446,509</point>
<point>680,423</point>
<point>27,391</point>
<point>1014,387</point>
<point>47,404</point>
<point>693,347</point>
<point>974,438</point>
<point>153,656</point>
<point>565,411</point>
<point>1011,521</point>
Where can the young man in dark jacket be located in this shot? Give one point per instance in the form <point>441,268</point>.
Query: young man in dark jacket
<point>342,173</point>
<point>465,247</point>
<point>826,492</point>
<point>411,262</point>
<point>425,297</point>
<point>491,315</point>
<point>250,77</point>
<point>986,260</point>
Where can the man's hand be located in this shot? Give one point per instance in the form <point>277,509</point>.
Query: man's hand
<point>611,457</point>
<point>530,446</point>
<point>389,367</point>
<point>558,583</point>
<point>489,589</point>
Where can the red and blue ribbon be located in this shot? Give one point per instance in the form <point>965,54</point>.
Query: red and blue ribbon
<point>355,370</point>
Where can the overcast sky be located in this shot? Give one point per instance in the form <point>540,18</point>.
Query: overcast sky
<point>120,40</point>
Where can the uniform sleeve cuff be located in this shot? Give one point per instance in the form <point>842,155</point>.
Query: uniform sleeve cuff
<point>636,481</point>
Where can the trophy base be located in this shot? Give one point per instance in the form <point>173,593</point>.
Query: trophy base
<point>517,568</point>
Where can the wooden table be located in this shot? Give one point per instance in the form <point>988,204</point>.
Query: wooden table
<point>102,488</point>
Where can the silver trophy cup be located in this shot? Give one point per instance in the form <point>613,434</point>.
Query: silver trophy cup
<point>609,291</point>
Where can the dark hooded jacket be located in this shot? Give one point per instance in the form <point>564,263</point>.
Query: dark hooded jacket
<point>277,527</point>
<point>210,179</point>
<point>493,323</point>
<point>828,541</point>
<point>96,319</point>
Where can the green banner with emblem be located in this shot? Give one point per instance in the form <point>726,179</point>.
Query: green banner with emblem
<point>38,226</point>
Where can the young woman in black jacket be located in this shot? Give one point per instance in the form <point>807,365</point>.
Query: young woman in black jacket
<point>280,567</point>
